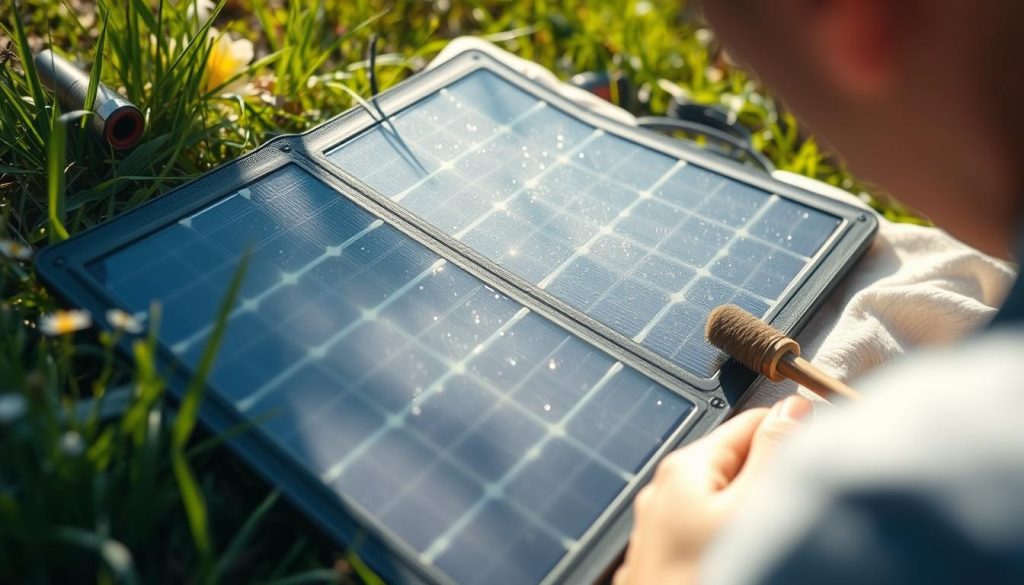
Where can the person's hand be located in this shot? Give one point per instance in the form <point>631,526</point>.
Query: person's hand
<point>696,488</point>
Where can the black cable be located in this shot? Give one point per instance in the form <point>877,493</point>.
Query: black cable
<point>664,124</point>
<point>374,88</point>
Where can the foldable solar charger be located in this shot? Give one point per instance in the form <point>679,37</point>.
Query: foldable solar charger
<point>472,320</point>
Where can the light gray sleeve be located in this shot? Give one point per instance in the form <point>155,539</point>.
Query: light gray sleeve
<point>923,482</point>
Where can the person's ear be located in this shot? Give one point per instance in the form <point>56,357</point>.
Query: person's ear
<point>856,40</point>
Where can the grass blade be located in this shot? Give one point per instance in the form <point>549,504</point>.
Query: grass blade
<point>96,71</point>
<point>185,423</point>
<point>55,170</point>
<point>238,544</point>
<point>28,63</point>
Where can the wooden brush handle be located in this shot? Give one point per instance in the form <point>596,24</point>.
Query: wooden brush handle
<point>809,376</point>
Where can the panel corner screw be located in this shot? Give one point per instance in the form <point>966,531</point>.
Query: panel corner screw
<point>59,261</point>
<point>717,402</point>
<point>862,217</point>
<point>285,148</point>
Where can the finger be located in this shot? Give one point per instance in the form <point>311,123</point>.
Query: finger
<point>783,421</point>
<point>715,459</point>
<point>621,575</point>
<point>645,520</point>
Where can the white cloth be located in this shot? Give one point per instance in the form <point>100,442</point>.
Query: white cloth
<point>914,286</point>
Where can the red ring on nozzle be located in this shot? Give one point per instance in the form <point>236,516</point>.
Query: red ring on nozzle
<point>115,129</point>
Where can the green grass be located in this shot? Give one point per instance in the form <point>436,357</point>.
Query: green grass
<point>146,497</point>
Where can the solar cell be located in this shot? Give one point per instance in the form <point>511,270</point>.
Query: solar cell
<point>644,242</point>
<point>482,435</point>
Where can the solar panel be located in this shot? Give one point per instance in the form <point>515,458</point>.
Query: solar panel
<point>484,436</point>
<point>470,329</point>
<point>644,242</point>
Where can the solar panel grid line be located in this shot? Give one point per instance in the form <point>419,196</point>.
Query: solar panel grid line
<point>404,193</point>
<point>622,422</point>
<point>394,137</point>
<point>718,223</point>
<point>661,254</point>
<point>451,163</point>
<point>689,211</point>
<point>475,224</point>
<point>553,429</point>
<point>249,305</point>
<point>444,455</point>
<point>607,228</point>
<point>126,273</point>
<point>441,543</point>
<point>454,368</point>
<point>490,494</point>
<point>366,316</point>
<point>649,250</point>
<point>186,221</point>
<point>338,468</point>
<point>724,251</point>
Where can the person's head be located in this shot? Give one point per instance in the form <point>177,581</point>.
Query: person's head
<point>923,97</point>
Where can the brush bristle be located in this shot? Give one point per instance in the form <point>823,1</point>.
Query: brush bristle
<point>742,335</point>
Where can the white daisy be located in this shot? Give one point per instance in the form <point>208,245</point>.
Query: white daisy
<point>124,321</point>
<point>64,322</point>
<point>71,444</point>
<point>12,407</point>
<point>14,250</point>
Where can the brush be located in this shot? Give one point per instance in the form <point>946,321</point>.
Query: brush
<point>764,349</point>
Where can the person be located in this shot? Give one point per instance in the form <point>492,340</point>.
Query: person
<point>924,480</point>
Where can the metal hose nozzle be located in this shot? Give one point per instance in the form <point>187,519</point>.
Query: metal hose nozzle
<point>115,120</point>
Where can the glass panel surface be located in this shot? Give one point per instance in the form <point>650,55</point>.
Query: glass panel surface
<point>481,434</point>
<point>639,240</point>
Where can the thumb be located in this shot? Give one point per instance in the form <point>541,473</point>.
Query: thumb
<point>782,422</point>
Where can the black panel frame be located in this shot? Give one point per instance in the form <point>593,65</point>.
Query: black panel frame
<point>63,268</point>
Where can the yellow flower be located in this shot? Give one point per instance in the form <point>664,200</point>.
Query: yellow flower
<point>227,59</point>
<point>64,322</point>
<point>14,250</point>
<point>123,321</point>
